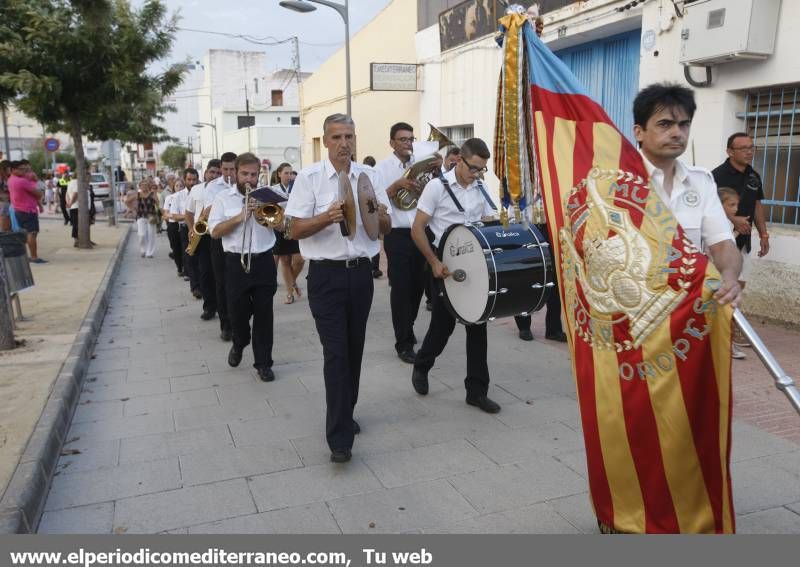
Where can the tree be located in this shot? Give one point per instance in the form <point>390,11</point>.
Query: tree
<point>41,160</point>
<point>174,157</point>
<point>82,67</point>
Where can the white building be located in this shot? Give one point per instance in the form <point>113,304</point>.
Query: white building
<point>237,89</point>
<point>616,47</point>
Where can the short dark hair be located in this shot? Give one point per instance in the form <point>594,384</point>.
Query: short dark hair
<point>214,163</point>
<point>14,164</point>
<point>370,161</point>
<point>227,156</point>
<point>245,159</point>
<point>475,147</point>
<point>399,126</point>
<point>190,170</point>
<point>453,151</point>
<point>732,137</point>
<point>657,96</point>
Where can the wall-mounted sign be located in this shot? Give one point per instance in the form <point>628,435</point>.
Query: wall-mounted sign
<point>393,77</point>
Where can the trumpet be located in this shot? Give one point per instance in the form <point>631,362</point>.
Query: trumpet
<point>421,172</point>
<point>200,228</point>
<point>269,215</point>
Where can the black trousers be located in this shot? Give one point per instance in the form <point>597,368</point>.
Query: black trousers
<point>205,274</point>
<point>73,219</point>
<point>250,295</point>
<point>62,202</point>
<point>173,234</point>
<point>441,327</point>
<point>407,281</point>
<point>340,299</point>
<point>552,318</point>
<point>190,267</point>
<point>217,255</point>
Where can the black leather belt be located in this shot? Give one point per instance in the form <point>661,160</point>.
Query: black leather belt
<point>254,254</point>
<point>351,263</point>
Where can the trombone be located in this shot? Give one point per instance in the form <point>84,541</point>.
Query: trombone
<point>269,215</point>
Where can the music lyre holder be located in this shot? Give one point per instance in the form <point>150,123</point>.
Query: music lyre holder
<point>783,381</point>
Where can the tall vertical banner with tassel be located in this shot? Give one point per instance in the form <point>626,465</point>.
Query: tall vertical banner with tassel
<point>650,347</point>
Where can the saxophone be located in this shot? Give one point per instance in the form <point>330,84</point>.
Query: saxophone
<point>200,228</point>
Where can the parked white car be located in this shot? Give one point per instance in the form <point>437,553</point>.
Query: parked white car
<point>100,185</point>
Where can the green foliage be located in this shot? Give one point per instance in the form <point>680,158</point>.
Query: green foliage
<point>174,157</point>
<point>42,160</point>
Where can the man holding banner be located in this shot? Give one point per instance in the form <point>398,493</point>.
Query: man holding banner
<point>648,316</point>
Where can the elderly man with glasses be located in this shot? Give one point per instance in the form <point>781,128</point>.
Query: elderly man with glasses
<point>458,197</point>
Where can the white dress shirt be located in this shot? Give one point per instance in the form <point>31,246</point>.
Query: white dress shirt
<point>313,192</point>
<point>436,202</point>
<point>168,205</point>
<point>694,202</point>
<point>213,189</point>
<point>227,205</point>
<point>178,204</point>
<point>195,201</point>
<point>392,169</point>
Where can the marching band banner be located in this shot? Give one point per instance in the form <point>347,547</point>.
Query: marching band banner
<point>650,347</point>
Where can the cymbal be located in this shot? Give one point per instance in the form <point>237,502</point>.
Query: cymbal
<point>348,225</point>
<point>368,205</point>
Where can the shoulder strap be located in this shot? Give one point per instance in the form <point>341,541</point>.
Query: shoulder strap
<point>486,196</point>
<point>446,185</point>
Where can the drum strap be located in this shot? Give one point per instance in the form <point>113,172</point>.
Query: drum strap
<point>449,190</point>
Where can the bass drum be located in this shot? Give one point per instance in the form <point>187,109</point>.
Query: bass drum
<point>495,272</point>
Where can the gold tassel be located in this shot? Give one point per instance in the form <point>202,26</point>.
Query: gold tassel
<point>504,218</point>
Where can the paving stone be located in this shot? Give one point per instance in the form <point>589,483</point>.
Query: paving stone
<point>535,519</point>
<point>176,509</point>
<point>575,461</point>
<point>277,428</point>
<point>375,439</point>
<point>93,411</point>
<point>526,444</point>
<point>121,391</point>
<point>510,486</point>
<point>750,442</point>
<point>418,506</point>
<point>114,353</point>
<point>120,427</point>
<point>465,422</point>
<point>311,484</point>
<point>101,485</point>
<point>308,519</point>
<point>107,378</point>
<point>217,379</point>
<point>210,416</point>
<point>96,455</point>
<point>227,463</point>
<point>758,486</point>
<point>539,411</point>
<point>790,462</point>
<point>771,521</point>
<point>400,468</point>
<point>168,402</point>
<point>173,444</point>
<point>577,510</point>
<point>92,519</point>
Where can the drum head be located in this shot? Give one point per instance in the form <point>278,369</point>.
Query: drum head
<point>368,206</point>
<point>461,249</point>
<point>348,225</point>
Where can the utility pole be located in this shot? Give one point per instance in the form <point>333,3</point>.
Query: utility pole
<point>247,112</point>
<point>5,131</point>
<point>298,79</point>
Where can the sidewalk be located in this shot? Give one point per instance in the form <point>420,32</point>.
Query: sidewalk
<point>54,311</point>
<point>168,438</point>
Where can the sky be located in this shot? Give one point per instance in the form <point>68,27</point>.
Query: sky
<point>321,32</point>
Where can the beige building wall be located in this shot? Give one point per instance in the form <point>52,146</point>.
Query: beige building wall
<point>389,38</point>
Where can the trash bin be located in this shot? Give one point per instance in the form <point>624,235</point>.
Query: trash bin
<point>108,207</point>
<point>15,260</point>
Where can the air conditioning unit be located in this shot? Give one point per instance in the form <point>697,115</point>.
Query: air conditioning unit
<point>719,31</point>
<point>149,155</point>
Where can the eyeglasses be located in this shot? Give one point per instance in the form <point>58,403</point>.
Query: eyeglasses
<point>405,140</point>
<point>473,168</point>
<point>743,149</point>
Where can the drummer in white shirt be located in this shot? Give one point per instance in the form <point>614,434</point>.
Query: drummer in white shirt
<point>456,198</point>
<point>249,294</point>
<point>340,284</point>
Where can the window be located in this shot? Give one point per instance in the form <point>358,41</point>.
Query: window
<point>317,147</point>
<point>459,134</point>
<point>277,98</point>
<point>255,85</point>
<point>295,121</point>
<point>772,118</point>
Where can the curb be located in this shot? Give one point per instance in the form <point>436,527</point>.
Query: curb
<point>23,500</point>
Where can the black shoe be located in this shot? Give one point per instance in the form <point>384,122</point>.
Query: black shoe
<point>419,380</point>
<point>180,273</point>
<point>265,374</point>
<point>526,335</point>
<point>226,335</point>
<point>207,315</point>
<point>376,274</point>
<point>171,255</point>
<point>197,294</point>
<point>340,455</point>
<point>234,356</point>
<point>485,404</point>
<point>429,306</point>
<point>408,356</point>
<point>356,428</point>
<point>559,337</point>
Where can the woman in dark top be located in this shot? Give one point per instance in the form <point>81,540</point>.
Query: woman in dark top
<point>287,251</point>
<point>147,216</point>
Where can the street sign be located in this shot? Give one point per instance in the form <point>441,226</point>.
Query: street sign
<point>51,144</point>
